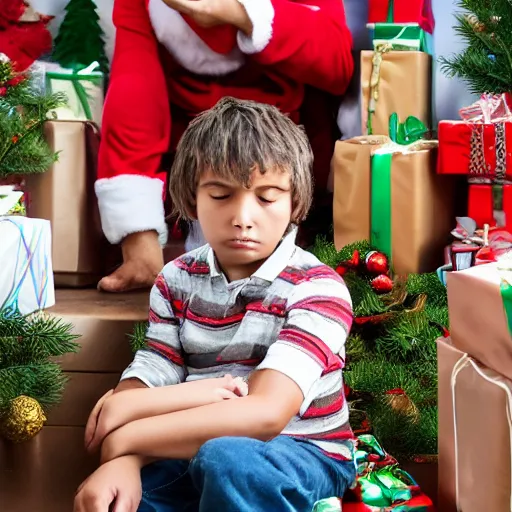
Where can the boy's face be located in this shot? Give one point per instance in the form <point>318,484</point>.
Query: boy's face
<point>244,225</point>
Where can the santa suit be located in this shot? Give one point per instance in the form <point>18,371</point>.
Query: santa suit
<point>165,70</point>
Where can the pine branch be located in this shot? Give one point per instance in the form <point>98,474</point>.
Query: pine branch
<point>325,252</point>
<point>364,300</point>
<point>138,337</point>
<point>409,337</point>
<point>27,345</point>
<point>44,382</point>
<point>486,62</point>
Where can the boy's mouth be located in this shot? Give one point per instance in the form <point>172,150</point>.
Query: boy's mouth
<point>243,243</point>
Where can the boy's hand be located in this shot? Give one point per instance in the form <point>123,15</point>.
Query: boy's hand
<point>230,387</point>
<point>115,483</point>
<point>92,422</point>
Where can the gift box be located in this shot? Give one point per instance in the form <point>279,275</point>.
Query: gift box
<point>400,37</point>
<point>475,149</point>
<point>42,475</point>
<point>26,279</point>
<point>394,199</point>
<point>480,308</point>
<point>83,89</point>
<point>380,485</point>
<point>65,195</point>
<point>474,434</point>
<point>490,204</point>
<point>394,81</point>
<point>402,11</point>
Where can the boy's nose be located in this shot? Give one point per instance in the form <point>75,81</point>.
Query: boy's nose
<point>243,215</point>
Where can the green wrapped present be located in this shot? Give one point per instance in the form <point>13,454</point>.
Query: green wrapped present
<point>83,89</point>
<point>381,485</point>
<point>400,37</point>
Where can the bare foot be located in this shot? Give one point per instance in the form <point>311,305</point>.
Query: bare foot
<point>142,261</point>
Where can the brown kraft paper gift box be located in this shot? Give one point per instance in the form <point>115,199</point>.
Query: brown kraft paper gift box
<point>474,434</point>
<point>404,87</point>
<point>422,203</point>
<point>65,196</point>
<point>43,474</point>
<point>478,323</point>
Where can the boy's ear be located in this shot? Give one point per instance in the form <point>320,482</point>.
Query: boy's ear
<point>192,212</point>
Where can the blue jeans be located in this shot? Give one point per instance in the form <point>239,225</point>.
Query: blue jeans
<point>237,474</point>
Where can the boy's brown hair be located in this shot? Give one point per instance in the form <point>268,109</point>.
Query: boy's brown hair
<point>234,138</point>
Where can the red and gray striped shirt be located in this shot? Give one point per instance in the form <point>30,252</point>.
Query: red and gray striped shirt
<point>292,315</point>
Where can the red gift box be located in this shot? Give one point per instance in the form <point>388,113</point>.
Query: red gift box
<point>481,205</point>
<point>402,11</point>
<point>474,148</point>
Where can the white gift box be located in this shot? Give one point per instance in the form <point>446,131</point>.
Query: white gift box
<point>83,89</point>
<point>26,274</point>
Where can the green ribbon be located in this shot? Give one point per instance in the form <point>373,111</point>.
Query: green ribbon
<point>328,505</point>
<point>391,12</point>
<point>408,132</point>
<point>401,37</point>
<point>385,487</point>
<point>380,204</point>
<point>90,74</point>
<point>506,297</point>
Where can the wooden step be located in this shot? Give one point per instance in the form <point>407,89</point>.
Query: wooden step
<point>43,474</point>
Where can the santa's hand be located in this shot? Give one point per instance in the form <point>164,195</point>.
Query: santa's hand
<point>210,13</point>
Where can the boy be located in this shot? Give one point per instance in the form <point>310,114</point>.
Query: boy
<point>250,304</point>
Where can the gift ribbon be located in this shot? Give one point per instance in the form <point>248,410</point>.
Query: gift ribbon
<point>390,18</point>
<point>380,203</point>
<point>23,269</point>
<point>403,134</point>
<point>400,37</point>
<point>499,381</point>
<point>506,297</point>
<point>88,73</point>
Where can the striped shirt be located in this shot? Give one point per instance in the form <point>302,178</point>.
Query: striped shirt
<point>292,315</point>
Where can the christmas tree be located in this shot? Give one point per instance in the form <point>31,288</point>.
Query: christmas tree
<point>23,111</point>
<point>486,63</point>
<point>391,366</point>
<point>79,42</point>
<point>30,380</point>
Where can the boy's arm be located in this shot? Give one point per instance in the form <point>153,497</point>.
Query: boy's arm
<point>318,321</point>
<point>161,362</point>
<point>122,408</point>
<point>263,414</point>
<point>307,40</point>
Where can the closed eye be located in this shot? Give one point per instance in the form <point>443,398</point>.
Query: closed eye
<point>220,198</point>
<point>266,201</point>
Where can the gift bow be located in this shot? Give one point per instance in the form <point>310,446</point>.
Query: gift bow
<point>9,199</point>
<point>410,131</point>
<point>489,108</point>
<point>494,242</point>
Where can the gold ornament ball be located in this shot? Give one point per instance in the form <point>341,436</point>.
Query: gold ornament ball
<point>23,421</point>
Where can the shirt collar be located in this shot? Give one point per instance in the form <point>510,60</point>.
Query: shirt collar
<point>272,266</point>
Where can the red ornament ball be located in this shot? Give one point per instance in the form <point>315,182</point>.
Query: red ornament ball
<point>377,263</point>
<point>382,284</point>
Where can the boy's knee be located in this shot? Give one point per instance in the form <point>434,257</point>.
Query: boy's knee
<point>224,456</point>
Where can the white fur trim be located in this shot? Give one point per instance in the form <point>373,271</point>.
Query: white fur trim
<point>131,204</point>
<point>261,14</point>
<point>189,50</point>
